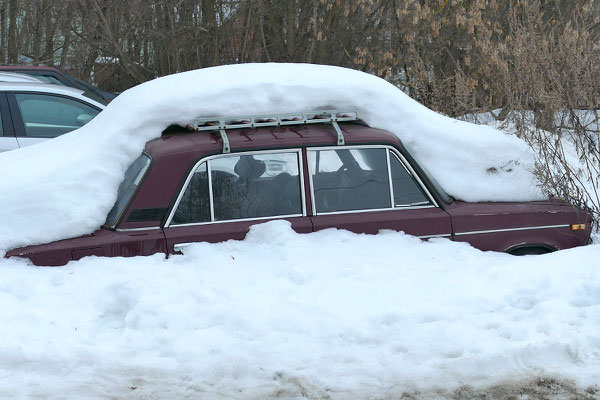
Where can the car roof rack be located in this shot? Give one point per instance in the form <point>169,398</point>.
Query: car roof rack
<point>257,121</point>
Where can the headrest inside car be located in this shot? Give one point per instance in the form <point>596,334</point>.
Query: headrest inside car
<point>248,168</point>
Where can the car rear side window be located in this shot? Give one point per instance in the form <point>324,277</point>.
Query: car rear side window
<point>50,116</point>
<point>350,179</point>
<point>246,186</point>
<point>132,179</point>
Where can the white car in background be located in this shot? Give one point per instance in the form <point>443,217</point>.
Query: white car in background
<point>32,111</point>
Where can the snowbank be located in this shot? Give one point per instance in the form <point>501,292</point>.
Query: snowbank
<point>65,187</point>
<point>281,315</point>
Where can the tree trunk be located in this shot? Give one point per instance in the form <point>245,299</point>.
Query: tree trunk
<point>49,50</point>
<point>210,21</point>
<point>13,55</point>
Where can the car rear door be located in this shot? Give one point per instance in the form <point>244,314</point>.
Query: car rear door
<point>365,189</point>
<point>225,195</point>
<point>8,141</point>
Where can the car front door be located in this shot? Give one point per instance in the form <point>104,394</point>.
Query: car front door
<point>224,195</point>
<point>365,189</point>
<point>41,116</point>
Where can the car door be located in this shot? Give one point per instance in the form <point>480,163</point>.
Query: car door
<point>364,189</point>
<point>8,141</point>
<point>226,194</point>
<point>41,116</point>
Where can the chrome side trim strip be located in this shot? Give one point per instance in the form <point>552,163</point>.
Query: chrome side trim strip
<point>441,235</point>
<point>147,228</point>
<point>512,229</point>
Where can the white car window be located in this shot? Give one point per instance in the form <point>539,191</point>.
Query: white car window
<point>49,116</point>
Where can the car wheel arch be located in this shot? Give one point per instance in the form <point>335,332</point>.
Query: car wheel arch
<point>530,249</point>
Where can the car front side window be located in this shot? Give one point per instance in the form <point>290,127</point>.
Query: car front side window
<point>407,192</point>
<point>349,179</point>
<point>247,186</point>
<point>49,116</point>
<point>368,178</point>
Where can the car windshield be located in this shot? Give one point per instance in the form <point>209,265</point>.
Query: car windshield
<point>133,176</point>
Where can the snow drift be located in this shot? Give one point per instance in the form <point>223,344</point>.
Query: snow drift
<point>65,187</point>
<point>279,315</point>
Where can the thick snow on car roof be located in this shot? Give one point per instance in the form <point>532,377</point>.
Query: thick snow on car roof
<point>65,187</point>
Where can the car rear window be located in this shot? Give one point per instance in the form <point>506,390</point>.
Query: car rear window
<point>133,177</point>
<point>246,186</point>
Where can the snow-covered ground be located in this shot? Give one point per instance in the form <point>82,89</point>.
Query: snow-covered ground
<point>325,315</point>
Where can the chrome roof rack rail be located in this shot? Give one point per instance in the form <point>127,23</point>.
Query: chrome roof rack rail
<point>257,121</point>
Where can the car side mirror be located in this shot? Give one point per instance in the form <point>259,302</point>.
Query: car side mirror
<point>83,119</point>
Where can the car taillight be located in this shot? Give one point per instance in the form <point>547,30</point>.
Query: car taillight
<point>577,227</point>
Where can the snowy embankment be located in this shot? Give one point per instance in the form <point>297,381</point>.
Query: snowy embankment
<point>325,314</point>
<point>65,187</point>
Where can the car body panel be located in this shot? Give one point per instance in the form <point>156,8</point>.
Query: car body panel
<point>55,76</point>
<point>505,226</point>
<point>102,242</point>
<point>8,143</point>
<point>220,232</point>
<point>16,77</point>
<point>422,222</point>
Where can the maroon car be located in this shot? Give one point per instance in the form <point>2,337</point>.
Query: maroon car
<point>315,170</point>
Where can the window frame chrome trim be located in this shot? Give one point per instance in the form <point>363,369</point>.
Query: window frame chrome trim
<point>391,149</point>
<point>525,228</point>
<point>211,202</point>
<point>377,210</point>
<point>207,159</point>
<point>274,217</point>
<point>389,168</point>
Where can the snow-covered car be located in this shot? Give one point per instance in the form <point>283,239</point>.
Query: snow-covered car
<point>317,170</point>
<point>32,112</point>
